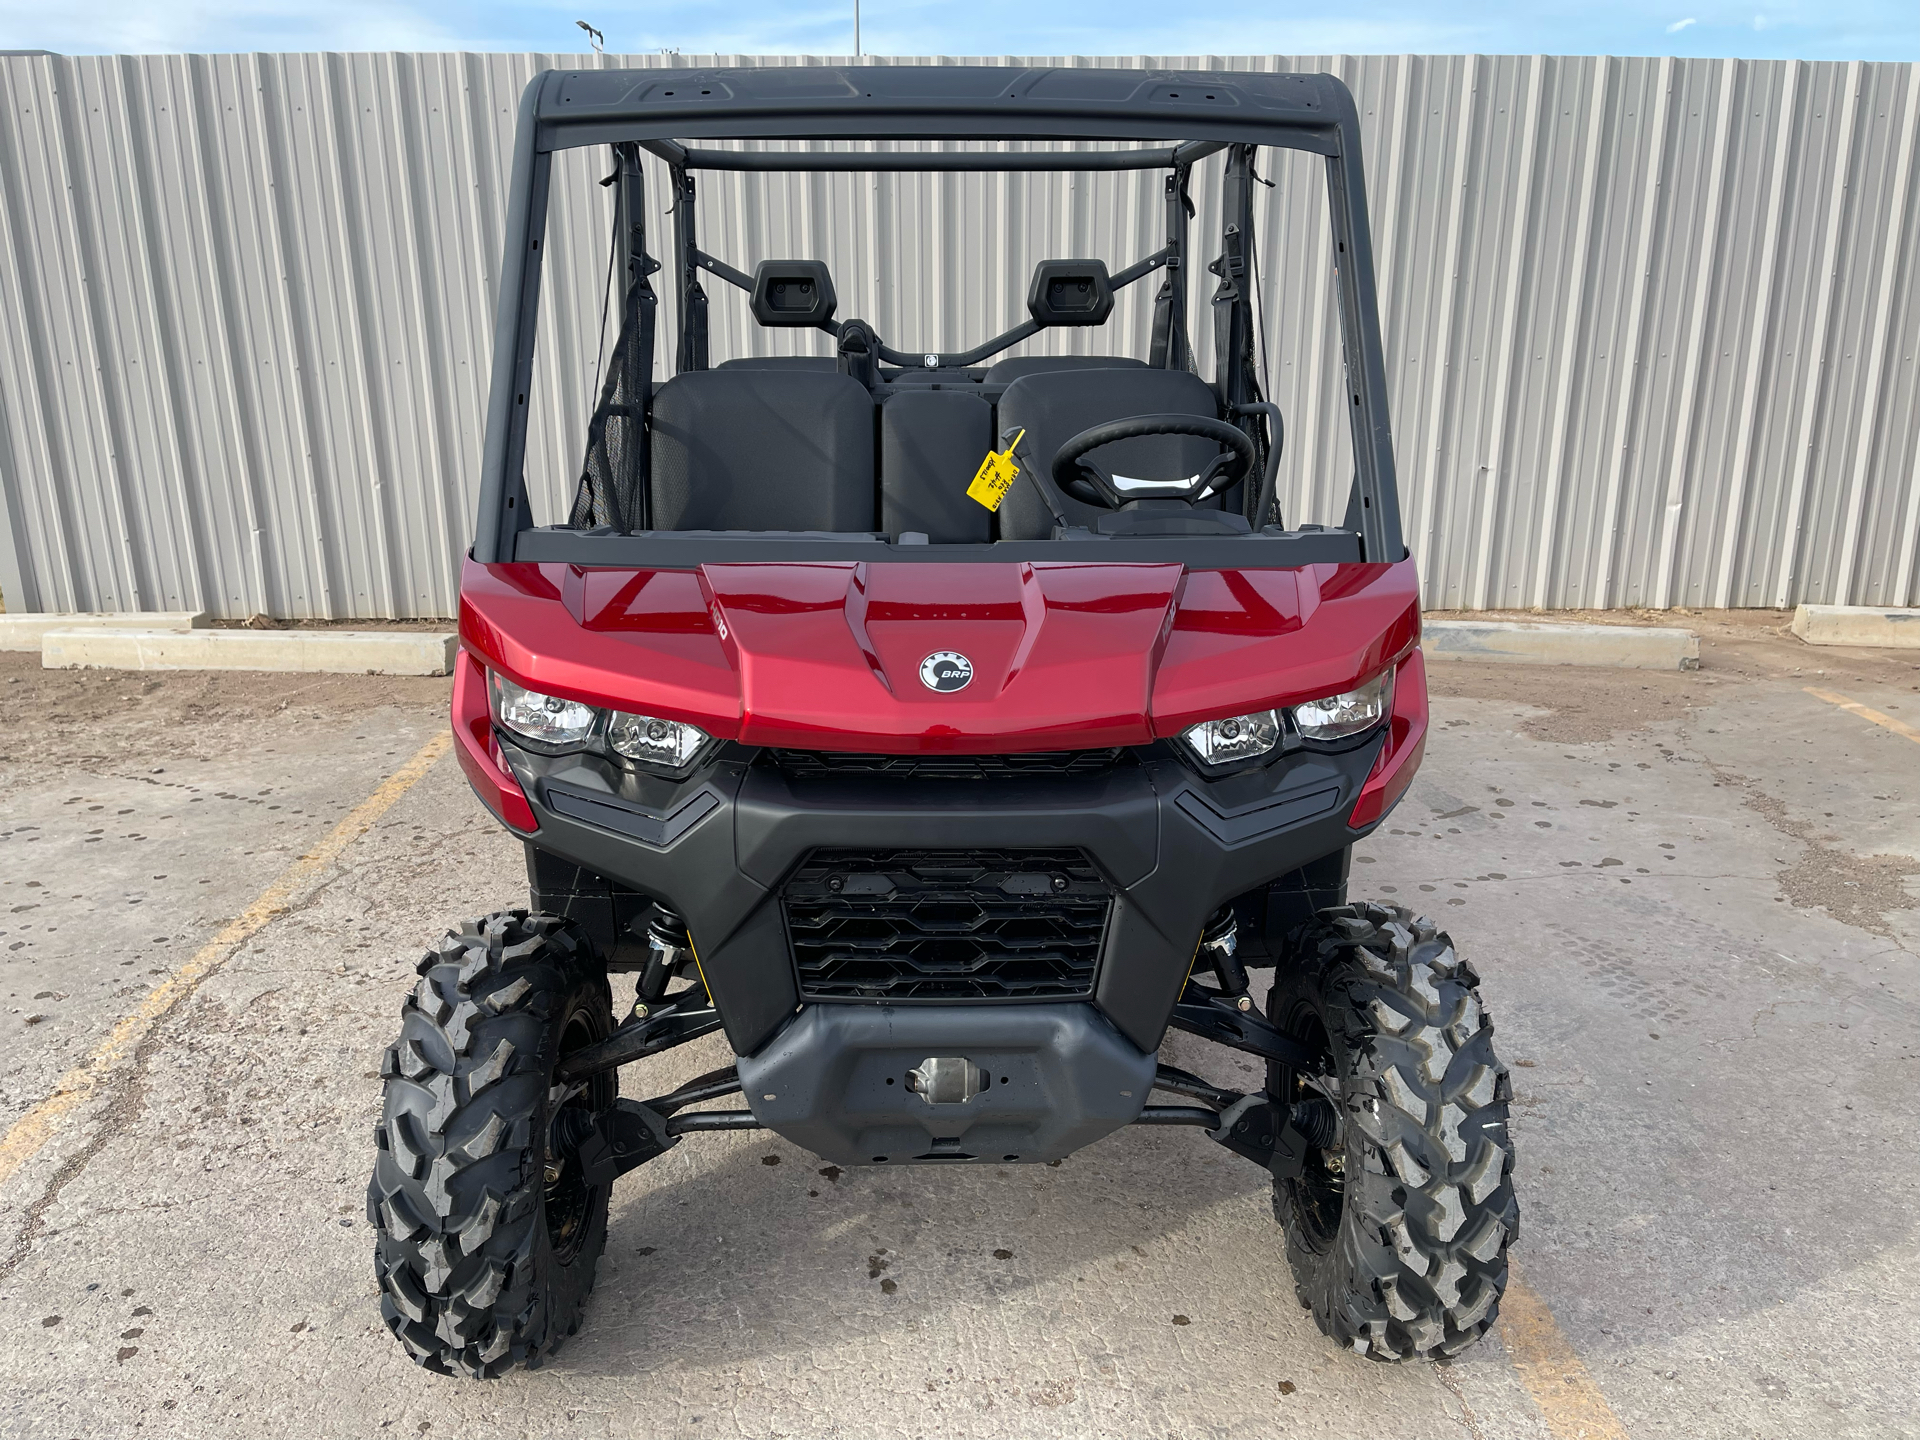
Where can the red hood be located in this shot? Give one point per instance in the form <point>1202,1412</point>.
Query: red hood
<point>828,655</point>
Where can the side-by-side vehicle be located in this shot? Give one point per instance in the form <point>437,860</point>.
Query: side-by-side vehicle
<point>943,730</point>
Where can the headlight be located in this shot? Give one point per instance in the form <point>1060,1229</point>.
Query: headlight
<point>543,719</point>
<point>1217,742</point>
<point>667,743</point>
<point>1339,716</point>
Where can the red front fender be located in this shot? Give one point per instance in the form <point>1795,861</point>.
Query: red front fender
<point>479,757</point>
<point>1393,768</point>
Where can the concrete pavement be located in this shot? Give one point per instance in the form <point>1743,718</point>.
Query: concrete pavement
<point>1693,898</point>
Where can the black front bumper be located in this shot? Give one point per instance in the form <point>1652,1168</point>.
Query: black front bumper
<point>718,847</point>
<point>837,1081</point>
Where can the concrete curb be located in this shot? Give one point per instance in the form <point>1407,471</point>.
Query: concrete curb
<point>1857,625</point>
<point>25,632</point>
<point>333,652</point>
<point>1623,647</point>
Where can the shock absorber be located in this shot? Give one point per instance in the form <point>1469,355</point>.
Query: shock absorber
<point>669,948</point>
<point>1219,942</point>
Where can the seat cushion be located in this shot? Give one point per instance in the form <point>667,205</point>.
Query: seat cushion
<point>1054,407</point>
<point>931,443</point>
<point>763,450</point>
<point>1005,372</point>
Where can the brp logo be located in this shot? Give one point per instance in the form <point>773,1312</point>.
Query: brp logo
<point>946,671</point>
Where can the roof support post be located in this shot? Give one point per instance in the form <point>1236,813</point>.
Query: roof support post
<point>632,211</point>
<point>1233,372</point>
<point>1169,348</point>
<point>1374,509</point>
<point>693,298</point>
<point>1236,372</point>
<point>503,484</point>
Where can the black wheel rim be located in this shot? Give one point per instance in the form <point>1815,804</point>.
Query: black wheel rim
<point>568,1199</point>
<point>1320,1191</point>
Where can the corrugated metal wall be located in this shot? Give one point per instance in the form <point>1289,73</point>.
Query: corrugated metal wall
<point>1651,323</point>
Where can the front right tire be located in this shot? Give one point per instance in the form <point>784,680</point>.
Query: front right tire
<point>1398,1227</point>
<point>489,1236</point>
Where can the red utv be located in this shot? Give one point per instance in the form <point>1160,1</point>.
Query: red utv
<point>943,798</point>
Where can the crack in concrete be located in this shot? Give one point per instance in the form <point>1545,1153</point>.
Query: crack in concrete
<point>124,1087</point>
<point>126,1097</point>
<point>1468,1420</point>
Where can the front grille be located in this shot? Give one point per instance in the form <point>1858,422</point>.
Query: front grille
<point>929,925</point>
<point>815,764</point>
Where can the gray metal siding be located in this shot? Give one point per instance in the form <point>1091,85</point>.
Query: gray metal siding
<point>1650,324</point>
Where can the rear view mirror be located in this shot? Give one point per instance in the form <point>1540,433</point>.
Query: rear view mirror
<point>792,293</point>
<point>1070,292</point>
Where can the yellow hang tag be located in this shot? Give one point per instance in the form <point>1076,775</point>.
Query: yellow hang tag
<point>995,476</point>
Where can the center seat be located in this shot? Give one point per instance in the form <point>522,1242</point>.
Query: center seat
<point>931,443</point>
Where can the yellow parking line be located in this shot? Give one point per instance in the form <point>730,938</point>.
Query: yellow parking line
<point>33,1130</point>
<point>1572,1404</point>
<point>1854,707</point>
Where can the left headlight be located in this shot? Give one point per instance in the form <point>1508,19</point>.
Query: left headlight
<point>543,719</point>
<point>1240,737</point>
<point>1248,737</point>
<point>670,744</point>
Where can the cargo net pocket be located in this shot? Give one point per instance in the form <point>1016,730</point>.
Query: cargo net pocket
<point>614,478</point>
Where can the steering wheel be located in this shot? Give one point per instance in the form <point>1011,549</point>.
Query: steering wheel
<point>1089,483</point>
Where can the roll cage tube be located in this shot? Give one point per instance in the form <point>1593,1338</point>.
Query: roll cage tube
<point>1240,111</point>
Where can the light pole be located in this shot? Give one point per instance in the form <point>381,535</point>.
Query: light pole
<point>856,29</point>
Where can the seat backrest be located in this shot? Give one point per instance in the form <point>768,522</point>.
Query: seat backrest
<point>781,362</point>
<point>763,450</point>
<point>1005,372</point>
<point>1054,407</point>
<point>931,443</point>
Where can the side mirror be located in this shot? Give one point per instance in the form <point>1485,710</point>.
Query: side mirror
<point>795,293</point>
<point>1070,292</point>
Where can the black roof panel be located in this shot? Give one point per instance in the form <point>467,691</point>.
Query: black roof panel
<point>948,102</point>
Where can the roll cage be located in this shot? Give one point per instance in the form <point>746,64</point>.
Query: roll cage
<point>1231,112</point>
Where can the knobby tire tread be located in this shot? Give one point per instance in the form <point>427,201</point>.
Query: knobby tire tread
<point>470,1279</point>
<point>1418,1262</point>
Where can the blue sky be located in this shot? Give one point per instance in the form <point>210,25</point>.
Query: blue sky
<point>1805,29</point>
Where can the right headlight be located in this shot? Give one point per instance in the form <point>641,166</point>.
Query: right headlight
<point>1339,716</point>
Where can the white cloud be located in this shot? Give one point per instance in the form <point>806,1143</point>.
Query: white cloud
<point>1677,26</point>
<point>1761,22</point>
